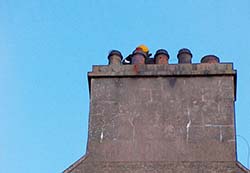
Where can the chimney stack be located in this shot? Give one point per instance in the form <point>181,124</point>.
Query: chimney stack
<point>161,118</point>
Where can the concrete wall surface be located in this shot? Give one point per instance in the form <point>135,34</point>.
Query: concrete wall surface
<point>161,118</point>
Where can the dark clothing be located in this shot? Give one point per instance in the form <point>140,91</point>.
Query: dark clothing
<point>128,60</point>
<point>149,61</point>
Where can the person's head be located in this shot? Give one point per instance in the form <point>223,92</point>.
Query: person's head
<point>143,48</point>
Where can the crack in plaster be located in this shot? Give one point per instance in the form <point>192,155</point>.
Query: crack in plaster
<point>202,96</point>
<point>221,137</point>
<point>219,126</point>
<point>103,125</point>
<point>133,126</point>
<point>215,125</point>
<point>101,136</point>
<point>188,124</point>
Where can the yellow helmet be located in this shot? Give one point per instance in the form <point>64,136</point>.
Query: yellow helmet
<point>143,48</point>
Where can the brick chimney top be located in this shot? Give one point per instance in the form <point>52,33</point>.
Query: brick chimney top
<point>161,57</point>
<point>161,117</point>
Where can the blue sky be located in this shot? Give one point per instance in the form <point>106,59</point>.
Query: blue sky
<point>48,46</point>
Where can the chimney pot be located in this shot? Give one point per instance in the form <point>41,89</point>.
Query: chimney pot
<point>138,57</point>
<point>184,56</point>
<point>115,57</point>
<point>212,59</point>
<point>161,56</point>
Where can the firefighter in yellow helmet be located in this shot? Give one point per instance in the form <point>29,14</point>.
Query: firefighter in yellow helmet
<point>142,48</point>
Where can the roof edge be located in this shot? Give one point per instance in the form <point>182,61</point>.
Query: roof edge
<point>77,163</point>
<point>242,167</point>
